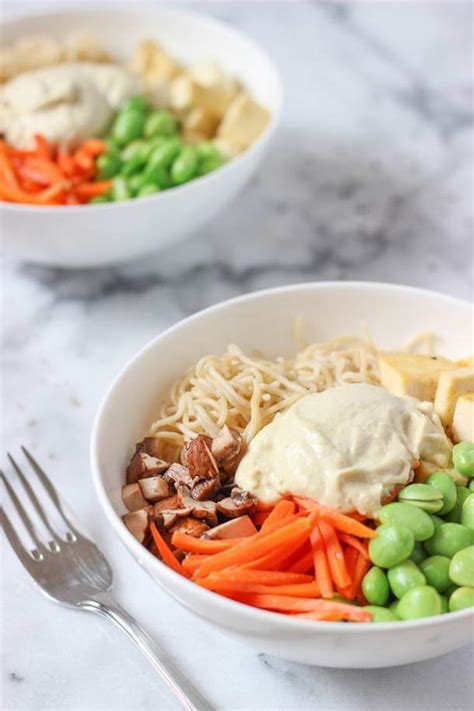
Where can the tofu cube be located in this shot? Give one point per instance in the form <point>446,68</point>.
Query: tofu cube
<point>244,121</point>
<point>200,122</point>
<point>187,94</point>
<point>462,427</point>
<point>451,386</point>
<point>413,375</point>
<point>153,64</point>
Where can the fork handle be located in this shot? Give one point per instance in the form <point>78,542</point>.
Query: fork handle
<point>190,699</point>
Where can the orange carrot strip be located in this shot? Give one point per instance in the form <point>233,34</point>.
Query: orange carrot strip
<point>305,563</point>
<point>192,562</point>
<point>84,161</point>
<point>282,509</point>
<point>349,613</point>
<point>191,544</point>
<point>165,551</point>
<point>334,555</point>
<point>321,565</point>
<point>89,190</point>
<point>218,584</point>
<point>94,147</point>
<point>337,520</point>
<point>355,543</point>
<point>7,173</point>
<point>327,609</point>
<point>66,164</point>
<point>361,567</point>
<point>46,197</point>
<point>256,546</point>
<point>42,147</point>
<point>261,577</point>
<point>260,517</point>
<point>277,558</point>
<point>42,171</point>
<point>351,556</point>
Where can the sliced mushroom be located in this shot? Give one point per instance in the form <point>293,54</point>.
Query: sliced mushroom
<point>200,509</point>
<point>137,523</point>
<point>235,528</point>
<point>142,465</point>
<point>178,474</point>
<point>154,488</point>
<point>151,446</point>
<point>200,461</point>
<point>165,519</point>
<point>133,498</point>
<point>190,526</point>
<point>239,503</point>
<point>205,489</point>
<point>226,446</point>
<point>171,503</point>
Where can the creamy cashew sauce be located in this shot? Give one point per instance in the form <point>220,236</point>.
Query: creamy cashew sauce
<point>347,448</point>
<point>66,103</point>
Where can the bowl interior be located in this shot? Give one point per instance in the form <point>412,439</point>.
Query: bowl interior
<point>265,322</point>
<point>189,37</point>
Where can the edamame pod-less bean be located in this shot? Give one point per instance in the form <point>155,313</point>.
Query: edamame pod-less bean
<point>136,149</point>
<point>418,553</point>
<point>425,497</point>
<point>414,518</point>
<point>437,521</point>
<point>421,601</point>
<point>443,482</point>
<point>160,123</point>
<point>392,544</point>
<point>128,126</point>
<point>404,576</point>
<point>136,182</point>
<point>381,614</point>
<point>107,165</point>
<point>120,189</point>
<point>436,571</point>
<point>471,485</point>
<point>454,516</point>
<point>132,166</point>
<point>461,569</point>
<point>463,458</point>
<point>467,512</point>
<point>158,175</point>
<point>184,166</point>
<point>375,587</point>
<point>448,539</point>
<point>164,154</point>
<point>461,598</point>
<point>148,190</point>
<point>137,103</point>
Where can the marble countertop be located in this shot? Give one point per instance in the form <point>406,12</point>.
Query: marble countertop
<point>371,178</point>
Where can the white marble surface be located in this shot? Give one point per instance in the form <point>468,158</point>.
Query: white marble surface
<point>369,178</point>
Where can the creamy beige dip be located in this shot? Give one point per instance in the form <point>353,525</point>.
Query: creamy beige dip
<point>347,448</point>
<point>66,103</point>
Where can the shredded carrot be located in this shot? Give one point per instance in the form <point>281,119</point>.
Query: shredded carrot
<point>43,150</point>
<point>89,190</point>
<point>165,551</point>
<point>337,520</point>
<point>262,577</point>
<point>7,173</point>
<point>335,556</point>
<point>260,517</point>
<point>355,543</point>
<point>276,559</point>
<point>44,197</point>
<point>304,564</point>
<point>325,609</point>
<point>192,562</point>
<point>218,584</point>
<point>191,544</point>
<point>321,565</point>
<point>94,147</point>
<point>343,612</point>
<point>283,509</point>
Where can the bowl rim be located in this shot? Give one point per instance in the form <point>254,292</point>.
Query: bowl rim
<point>275,114</point>
<point>284,622</point>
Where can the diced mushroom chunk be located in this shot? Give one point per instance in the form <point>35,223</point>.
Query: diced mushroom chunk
<point>166,518</point>
<point>239,503</point>
<point>200,461</point>
<point>190,526</point>
<point>142,465</point>
<point>132,497</point>
<point>200,509</point>
<point>178,474</point>
<point>226,446</point>
<point>154,488</point>
<point>170,503</point>
<point>205,489</point>
<point>137,523</point>
<point>235,528</point>
<point>152,446</point>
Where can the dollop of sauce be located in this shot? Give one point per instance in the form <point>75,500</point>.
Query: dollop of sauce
<point>66,103</point>
<point>347,448</point>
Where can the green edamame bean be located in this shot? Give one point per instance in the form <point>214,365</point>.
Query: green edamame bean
<point>444,604</point>
<point>467,512</point>
<point>136,149</point>
<point>107,165</point>
<point>419,553</point>
<point>404,576</point>
<point>137,181</point>
<point>148,189</point>
<point>444,483</point>
<point>421,601</point>
<point>98,199</point>
<point>132,166</point>
<point>135,103</point>
<point>160,123</point>
<point>158,175</point>
<point>112,145</point>
<point>120,189</point>
<point>454,516</point>
<point>392,544</point>
<point>381,614</point>
<point>393,608</point>
<point>128,126</point>
<point>436,571</point>
<point>208,165</point>
<point>184,166</point>
<point>425,497</point>
<point>463,458</point>
<point>471,485</point>
<point>437,521</point>
<point>417,520</point>
<point>461,569</point>
<point>206,149</point>
<point>461,598</point>
<point>164,154</point>
<point>375,587</point>
<point>448,539</point>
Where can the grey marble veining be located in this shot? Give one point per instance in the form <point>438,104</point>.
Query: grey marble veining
<point>370,177</point>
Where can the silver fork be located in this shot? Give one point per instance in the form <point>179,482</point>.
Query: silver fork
<point>72,571</point>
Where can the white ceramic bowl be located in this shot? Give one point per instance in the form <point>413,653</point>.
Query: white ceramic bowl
<point>264,321</point>
<point>95,235</point>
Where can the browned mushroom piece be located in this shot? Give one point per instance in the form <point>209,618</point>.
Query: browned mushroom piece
<point>200,461</point>
<point>142,465</point>
<point>154,488</point>
<point>137,523</point>
<point>133,498</point>
<point>166,518</point>
<point>226,446</point>
<point>190,526</point>
<point>240,527</point>
<point>205,489</point>
<point>170,503</point>
<point>200,509</point>
<point>239,503</point>
<point>178,474</point>
<point>151,446</point>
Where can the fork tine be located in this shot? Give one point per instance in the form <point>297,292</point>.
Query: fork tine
<point>24,556</point>
<point>28,524</point>
<point>34,500</point>
<point>52,493</point>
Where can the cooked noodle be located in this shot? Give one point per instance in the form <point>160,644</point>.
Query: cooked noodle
<point>246,392</point>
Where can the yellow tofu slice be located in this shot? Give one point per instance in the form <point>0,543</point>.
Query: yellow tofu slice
<point>463,419</point>
<point>200,122</point>
<point>153,64</point>
<point>414,375</point>
<point>244,121</point>
<point>187,94</point>
<point>451,386</point>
